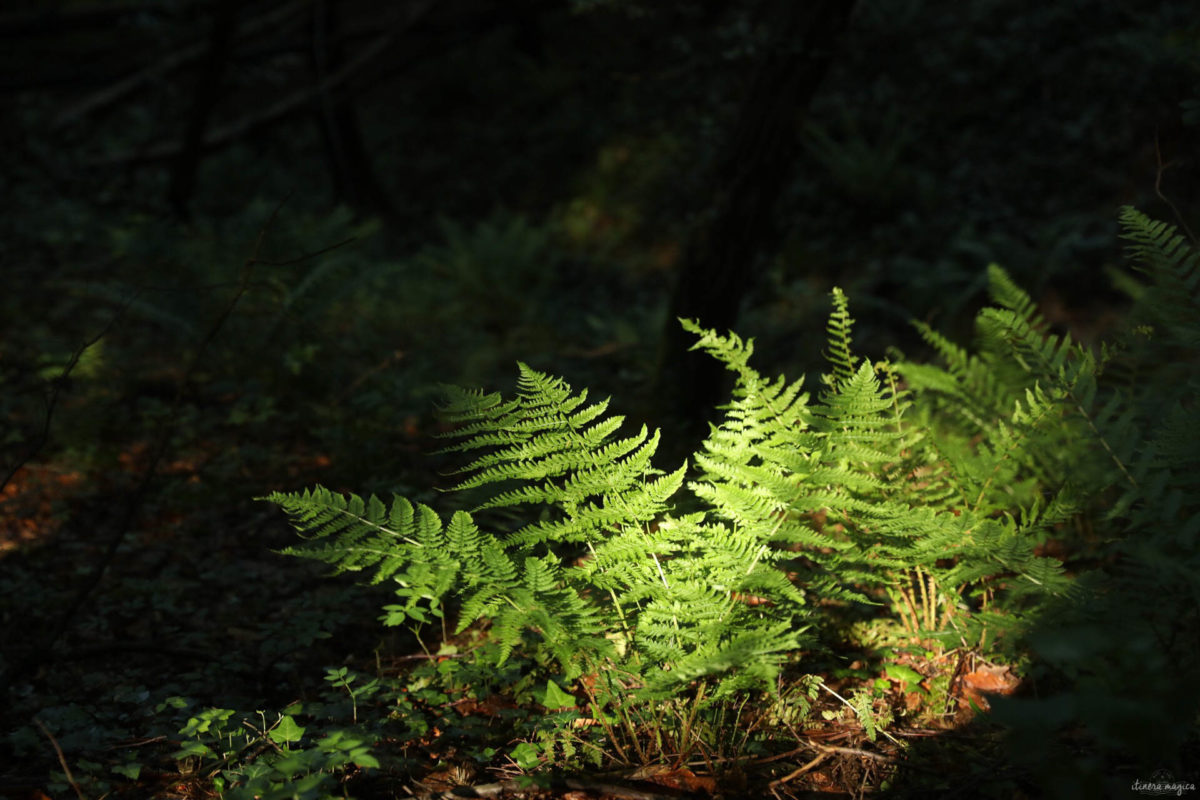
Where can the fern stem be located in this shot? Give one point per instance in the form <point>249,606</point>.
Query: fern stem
<point>948,609</point>
<point>689,720</point>
<point>631,731</point>
<point>761,550</point>
<point>1104,442</point>
<point>886,368</point>
<point>913,623</point>
<point>926,608</point>
<point>662,575</point>
<point>368,523</point>
<point>1069,389</point>
<point>1008,454</point>
<point>616,602</point>
<point>928,596</point>
<point>983,604</point>
<point>910,623</point>
<point>599,715</point>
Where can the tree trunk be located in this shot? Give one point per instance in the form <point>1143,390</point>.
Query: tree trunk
<point>354,181</point>
<point>753,167</point>
<point>208,90</point>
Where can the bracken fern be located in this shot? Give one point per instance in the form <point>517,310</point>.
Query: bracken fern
<point>925,491</point>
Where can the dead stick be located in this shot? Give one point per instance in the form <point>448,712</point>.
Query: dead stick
<point>796,773</point>
<point>61,758</point>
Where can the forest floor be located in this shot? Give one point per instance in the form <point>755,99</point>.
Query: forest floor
<point>127,587</point>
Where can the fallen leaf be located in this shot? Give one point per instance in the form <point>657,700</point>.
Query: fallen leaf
<point>994,680</point>
<point>986,679</point>
<point>683,779</point>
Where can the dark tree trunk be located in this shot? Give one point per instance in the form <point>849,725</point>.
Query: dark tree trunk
<point>208,90</point>
<point>354,181</point>
<point>756,162</point>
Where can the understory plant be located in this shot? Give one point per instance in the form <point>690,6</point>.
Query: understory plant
<point>928,495</point>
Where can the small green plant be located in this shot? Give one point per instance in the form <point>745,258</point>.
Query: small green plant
<point>344,678</point>
<point>261,754</point>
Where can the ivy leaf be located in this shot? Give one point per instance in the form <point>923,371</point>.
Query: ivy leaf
<point>286,731</point>
<point>904,674</point>
<point>191,749</point>
<point>555,698</point>
<point>527,755</point>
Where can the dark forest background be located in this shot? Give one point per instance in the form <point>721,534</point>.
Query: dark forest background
<point>243,242</point>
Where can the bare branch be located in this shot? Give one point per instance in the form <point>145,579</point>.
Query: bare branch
<point>225,134</point>
<point>62,760</point>
<point>115,92</point>
<point>56,388</point>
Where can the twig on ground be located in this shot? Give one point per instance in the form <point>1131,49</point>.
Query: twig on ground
<point>796,773</point>
<point>62,760</point>
<point>852,751</point>
<point>426,656</point>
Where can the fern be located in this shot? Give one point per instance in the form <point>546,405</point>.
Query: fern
<point>923,491</point>
<point>1132,642</point>
<point>1173,266</point>
<point>366,534</point>
<point>672,585</point>
<point>864,505</point>
<point>562,453</point>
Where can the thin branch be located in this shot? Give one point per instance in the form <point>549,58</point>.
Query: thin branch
<point>427,656</point>
<point>575,784</point>
<point>225,134</point>
<point>796,773</point>
<point>352,387</point>
<point>57,385</point>
<point>1158,174</point>
<point>61,758</point>
<point>615,790</point>
<point>113,93</point>
<point>852,751</point>
<point>306,256</point>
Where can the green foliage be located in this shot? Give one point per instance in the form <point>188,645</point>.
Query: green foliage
<point>481,295</point>
<point>256,755</point>
<point>325,363</point>
<point>870,499</point>
<point>1033,189</point>
<point>867,172</point>
<point>1126,656</point>
<point>600,573</point>
<point>926,492</point>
